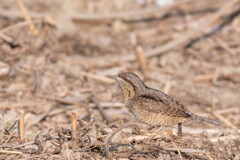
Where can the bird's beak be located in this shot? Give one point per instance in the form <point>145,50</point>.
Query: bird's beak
<point>113,76</point>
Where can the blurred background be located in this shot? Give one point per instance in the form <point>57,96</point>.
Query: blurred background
<point>55,56</point>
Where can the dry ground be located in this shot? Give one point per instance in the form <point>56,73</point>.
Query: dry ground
<point>54,67</point>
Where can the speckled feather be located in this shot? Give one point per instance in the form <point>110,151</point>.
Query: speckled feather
<point>152,106</point>
<point>154,110</point>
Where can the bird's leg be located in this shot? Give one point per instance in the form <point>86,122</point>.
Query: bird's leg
<point>179,129</point>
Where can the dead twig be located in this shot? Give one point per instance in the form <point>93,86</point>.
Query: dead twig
<point>8,139</point>
<point>141,58</point>
<point>138,50</point>
<point>183,40</point>
<point>10,152</point>
<point>15,14</point>
<point>221,118</point>
<point>61,100</point>
<point>225,121</point>
<point>34,157</point>
<point>7,131</point>
<point>37,81</point>
<point>229,110</point>
<point>168,86</point>
<point>130,16</point>
<point>74,130</point>
<point>226,21</point>
<point>179,153</point>
<point>23,145</point>
<point>189,151</point>
<point>21,127</point>
<point>101,110</point>
<point>224,46</point>
<point>109,105</point>
<point>36,142</point>
<point>9,40</point>
<point>225,138</point>
<point>108,139</point>
<point>33,142</point>
<point>179,42</point>
<point>137,15</point>
<point>204,77</point>
<point>26,23</point>
<point>67,154</point>
<point>114,148</point>
<point>27,17</point>
<point>96,77</point>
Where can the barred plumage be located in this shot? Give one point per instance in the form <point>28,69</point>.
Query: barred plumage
<point>152,106</point>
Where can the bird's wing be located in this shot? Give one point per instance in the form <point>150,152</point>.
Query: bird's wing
<point>165,105</point>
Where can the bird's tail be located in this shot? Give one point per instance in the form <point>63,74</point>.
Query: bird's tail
<point>208,120</point>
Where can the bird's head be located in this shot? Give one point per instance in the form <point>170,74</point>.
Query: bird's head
<point>130,84</point>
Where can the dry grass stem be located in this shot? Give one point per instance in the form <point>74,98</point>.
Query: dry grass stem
<point>96,77</point>
<point>27,17</point>
<point>108,139</point>
<point>179,153</point>
<point>225,120</point>
<point>225,46</point>
<point>141,58</point>
<point>130,15</point>
<point>203,78</point>
<point>20,24</point>
<point>138,50</point>
<point>21,128</point>
<point>102,111</point>
<point>183,40</point>
<point>10,152</point>
<point>74,130</point>
<point>168,86</point>
<point>226,138</point>
<point>61,100</point>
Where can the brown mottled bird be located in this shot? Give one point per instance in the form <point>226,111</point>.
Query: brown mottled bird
<point>152,106</point>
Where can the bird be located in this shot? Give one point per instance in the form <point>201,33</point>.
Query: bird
<point>154,107</point>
